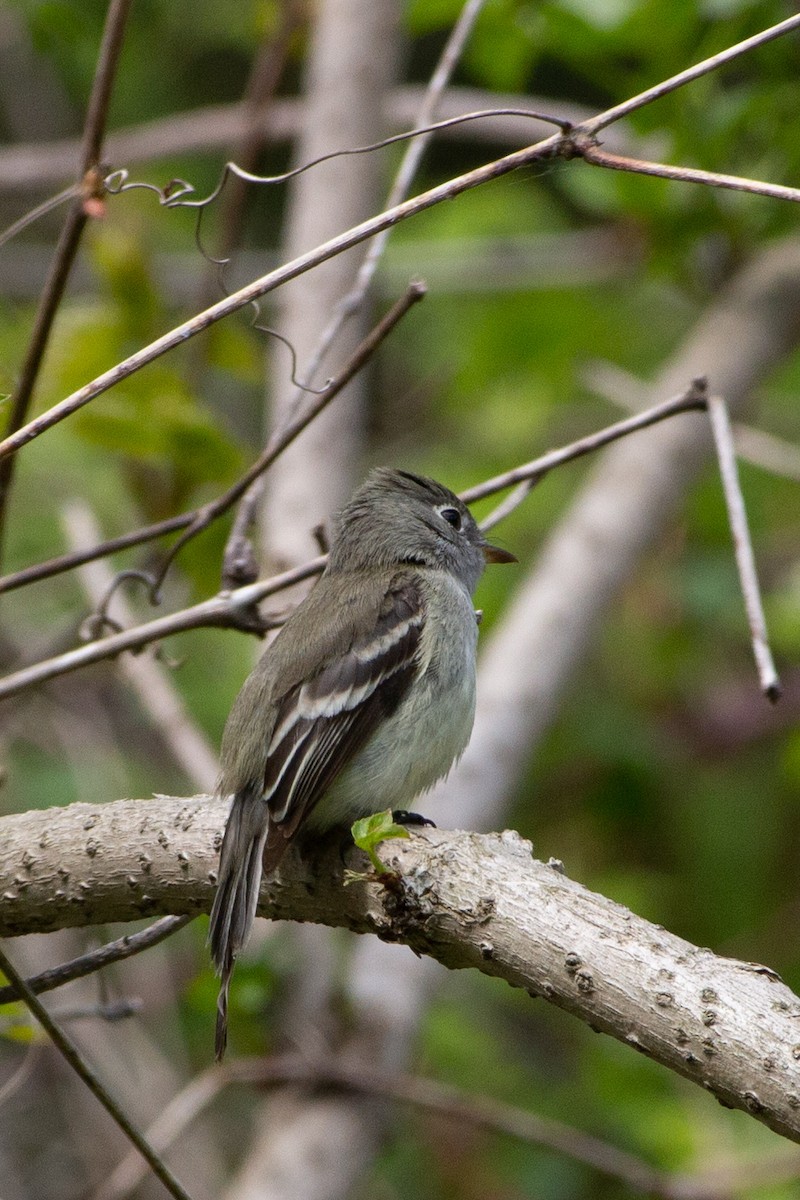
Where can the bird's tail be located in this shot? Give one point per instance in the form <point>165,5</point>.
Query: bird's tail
<point>234,907</point>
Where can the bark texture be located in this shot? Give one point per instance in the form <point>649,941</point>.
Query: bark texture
<point>467,900</point>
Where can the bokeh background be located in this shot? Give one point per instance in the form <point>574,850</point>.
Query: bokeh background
<point>556,296</point>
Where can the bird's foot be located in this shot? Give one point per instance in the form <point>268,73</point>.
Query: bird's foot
<point>401,817</point>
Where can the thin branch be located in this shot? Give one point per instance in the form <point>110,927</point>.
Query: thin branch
<point>693,399</point>
<point>265,76</point>
<point>69,240</point>
<point>104,1010</point>
<point>283,437</point>
<point>592,153</point>
<point>68,562</point>
<point>595,124</point>
<point>546,148</point>
<point>766,451</point>
<point>41,210</point>
<point>235,609</point>
<point>267,283</point>
<point>170,1123</point>
<point>49,302</point>
<point>509,504</point>
<point>427,1094</point>
<point>211,128</point>
<point>277,443</point>
<point>425,128</point>
<point>100,96</point>
<point>753,445</point>
<point>94,960</point>
<point>179,193</point>
<point>73,1056</point>
<point>232,610</point>
<point>455,1103</point>
<point>743,547</point>
<point>351,303</point>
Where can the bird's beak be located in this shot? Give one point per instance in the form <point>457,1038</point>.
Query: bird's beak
<point>494,554</point>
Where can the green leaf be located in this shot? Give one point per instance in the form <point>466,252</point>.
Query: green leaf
<point>17,1025</point>
<point>370,831</point>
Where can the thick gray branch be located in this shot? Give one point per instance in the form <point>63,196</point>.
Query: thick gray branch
<point>467,900</point>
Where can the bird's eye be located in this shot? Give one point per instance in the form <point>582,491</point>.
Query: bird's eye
<point>452,516</point>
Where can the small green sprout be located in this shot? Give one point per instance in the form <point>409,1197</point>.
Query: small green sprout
<point>369,832</point>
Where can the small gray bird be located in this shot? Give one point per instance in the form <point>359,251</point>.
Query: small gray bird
<point>365,698</point>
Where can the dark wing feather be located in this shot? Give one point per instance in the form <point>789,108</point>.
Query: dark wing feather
<point>321,724</point>
<point>324,722</point>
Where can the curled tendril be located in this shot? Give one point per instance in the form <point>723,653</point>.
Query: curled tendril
<point>220,266</point>
<point>231,168</point>
<point>118,181</point>
<point>99,622</point>
<point>179,193</point>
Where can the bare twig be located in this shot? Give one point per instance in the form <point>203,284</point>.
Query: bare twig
<point>95,960</point>
<point>295,425</point>
<point>743,548</point>
<point>764,450</point>
<point>170,1123</point>
<point>351,303</point>
<point>427,1094</point>
<point>753,445</point>
<point>590,152</point>
<point>508,505</point>
<point>226,610</point>
<point>68,562</point>
<point>103,1010</point>
<point>41,210</point>
<point>267,283</point>
<point>595,124</point>
<point>211,128</point>
<point>277,443</point>
<point>69,240</point>
<point>425,129</point>
<point>692,399</point>
<point>179,193</point>
<point>235,608</point>
<point>264,78</point>
<point>73,1056</point>
<point>553,145</point>
<point>446,1100</point>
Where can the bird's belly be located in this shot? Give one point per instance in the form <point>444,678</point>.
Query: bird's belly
<point>410,752</point>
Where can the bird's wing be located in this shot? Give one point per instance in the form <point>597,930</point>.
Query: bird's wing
<point>323,722</point>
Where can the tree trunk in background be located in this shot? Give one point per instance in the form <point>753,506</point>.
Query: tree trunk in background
<point>351,70</point>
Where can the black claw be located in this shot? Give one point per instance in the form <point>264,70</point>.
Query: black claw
<point>401,817</point>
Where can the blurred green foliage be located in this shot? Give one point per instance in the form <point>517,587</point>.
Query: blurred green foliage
<point>663,784</point>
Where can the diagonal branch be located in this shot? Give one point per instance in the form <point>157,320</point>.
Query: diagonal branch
<point>235,608</point>
<point>742,545</point>
<point>69,240</point>
<point>556,144</point>
<point>590,152</point>
<point>95,960</point>
<point>713,63</point>
<point>70,1052</point>
<point>468,900</point>
<point>269,282</point>
<point>199,518</point>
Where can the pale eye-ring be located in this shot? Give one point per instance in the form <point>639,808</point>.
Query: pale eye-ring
<point>452,516</point>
